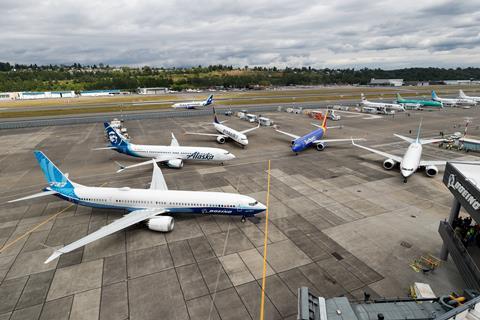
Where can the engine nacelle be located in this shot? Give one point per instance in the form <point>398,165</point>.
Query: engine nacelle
<point>175,163</point>
<point>221,139</point>
<point>320,146</point>
<point>431,171</point>
<point>161,223</point>
<point>389,164</point>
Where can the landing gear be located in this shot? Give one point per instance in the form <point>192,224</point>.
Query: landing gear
<point>405,180</point>
<point>243,147</point>
<point>221,163</point>
<point>243,219</point>
<point>296,153</point>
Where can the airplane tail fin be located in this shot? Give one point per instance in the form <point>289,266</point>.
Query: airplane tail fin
<point>434,95</point>
<point>399,97</point>
<point>116,139</point>
<point>363,97</point>
<point>324,122</point>
<point>215,119</point>
<point>461,94</point>
<point>209,100</point>
<point>56,179</point>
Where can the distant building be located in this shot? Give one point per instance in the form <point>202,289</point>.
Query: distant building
<point>34,95</point>
<point>459,82</point>
<point>416,83</point>
<point>155,90</point>
<point>99,93</point>
<point>386,82</point>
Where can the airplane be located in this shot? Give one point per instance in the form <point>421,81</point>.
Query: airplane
<point>173,155</point>
<point>462,95</point>
<point>381,106</point>
<point>225,132</point>
<point>153,205</point>
<point>418,103</point>
<point>411,160</point>
<point>300,143</point>
<point>193,104</point>
<point>453,102</point>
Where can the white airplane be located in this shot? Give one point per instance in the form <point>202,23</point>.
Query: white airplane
<point>453,102</point>
<point>411,160</point>
<point>225,132</point>
<point>173,155</point>
<point>381,105</point>
<point>194,104</point>
<point>148,205</point>
<point>462,95</point>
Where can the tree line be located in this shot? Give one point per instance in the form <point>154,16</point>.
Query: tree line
<point>77,77</point>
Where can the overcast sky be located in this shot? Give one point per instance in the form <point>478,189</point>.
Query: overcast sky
<point>342,33</point>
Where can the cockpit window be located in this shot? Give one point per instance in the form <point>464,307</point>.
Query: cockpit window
<point>253,203</point>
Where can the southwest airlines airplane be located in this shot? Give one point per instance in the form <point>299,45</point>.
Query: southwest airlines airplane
<point>153,205</point>
<point>412,159</point>
<point>225,132</point>
<point>194,104</point>
<point>173,155</point>
<point>313,138</point>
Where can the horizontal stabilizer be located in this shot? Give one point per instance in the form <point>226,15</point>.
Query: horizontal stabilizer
<point>409,140</point>
<point>36,195</point>
<point>105,148</point>
<point>288,134</point>
<point>427,141</point>
<point>251,129</point>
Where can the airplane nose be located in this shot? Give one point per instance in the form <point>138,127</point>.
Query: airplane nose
<point>261,206</point>
<point>231,156</point>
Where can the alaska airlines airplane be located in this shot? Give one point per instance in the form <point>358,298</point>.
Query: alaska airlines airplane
<point>148,205</point>
<point>194,104</point>
<point>418,103</point>
<point>381,105</point>
<point>173,155</point>
<point>453,102</point>
<point>313,138</point>
<point>462,95</point>
<point>225,132</point>
<point>411,160</point>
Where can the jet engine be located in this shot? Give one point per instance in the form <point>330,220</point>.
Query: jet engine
<point>175,163</point>
<point>221,139</point>
<point>320,146</point>
<point>161,223</point>
<point>431,171</point>
<point>389,164</point>
<point>293,142</point>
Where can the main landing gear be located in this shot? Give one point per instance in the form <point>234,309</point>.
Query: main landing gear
<point>405,180</point>
<point>243,219</point>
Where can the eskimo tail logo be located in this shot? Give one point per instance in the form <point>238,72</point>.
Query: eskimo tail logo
<point>200,156</point>
<point>452,183</point>
<point>112,137</point>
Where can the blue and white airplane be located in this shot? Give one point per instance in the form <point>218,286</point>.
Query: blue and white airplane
<point>193,104</point>
<point>153,205</point>
<point>173,155</point>
<point>300,143</point>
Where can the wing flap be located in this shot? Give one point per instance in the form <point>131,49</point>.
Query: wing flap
<point>122,223</point>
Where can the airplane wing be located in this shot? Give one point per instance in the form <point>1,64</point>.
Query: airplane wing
<point>337,140</point>
<point>288,134</point>
<point>432,163</point>
<point>158,181</point>
<point>159,159</point>
<point>251,129</point>
<point>122,223</point>
<point>206,134</point>
<point>105,148</point>
<point>174,142</point>
<point>383,154</point>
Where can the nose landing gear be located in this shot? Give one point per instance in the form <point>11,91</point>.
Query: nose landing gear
<point>243,219</point>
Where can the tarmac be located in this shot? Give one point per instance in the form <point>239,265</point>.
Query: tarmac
<point>339,223</point>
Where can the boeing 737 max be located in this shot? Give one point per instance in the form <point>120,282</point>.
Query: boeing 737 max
<point>194,104</point>
<point>173,155</point>
<point>381,105</point>
<point>411,160</point>
<point>453,102</point>
<point>462,95</point>
<point>151,205</point>
<point>225,132</point>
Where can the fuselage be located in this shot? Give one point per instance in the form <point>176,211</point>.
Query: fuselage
<point>231,133</point>
<point>423,103</point>
<point>188,105</point>
<point>392,106</point>
<point>307,140</point>
<point>455,102</point>
<point>411,160</point>
<point>172,200</point>
<point>180,152</point>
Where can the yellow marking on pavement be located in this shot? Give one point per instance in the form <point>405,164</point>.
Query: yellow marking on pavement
<point>5,247</point>
<point>264,273</point>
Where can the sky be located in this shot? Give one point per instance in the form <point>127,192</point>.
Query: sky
<point>386,34</point>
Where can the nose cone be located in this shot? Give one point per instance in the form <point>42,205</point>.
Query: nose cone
<point>296,148</point>
<point>406,173</point>
<point>230,156</point>
<point>261,207</point>
<point>244,142</point>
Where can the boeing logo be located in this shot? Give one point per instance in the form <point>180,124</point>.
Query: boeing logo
<point>457,186</point>
<point>200,156</point>
<point>216,211</point>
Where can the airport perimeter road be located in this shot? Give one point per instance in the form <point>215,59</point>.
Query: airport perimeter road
<point>340,223</point>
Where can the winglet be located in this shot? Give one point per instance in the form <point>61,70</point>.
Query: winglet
<point>54,256</point>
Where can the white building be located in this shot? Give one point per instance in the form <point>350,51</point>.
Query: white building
<point>386,82</point>
<point>155,90</point>
<point>29,95</point>
<point>99,93</point>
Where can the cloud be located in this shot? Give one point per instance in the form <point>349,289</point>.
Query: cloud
<point>344,33</point>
